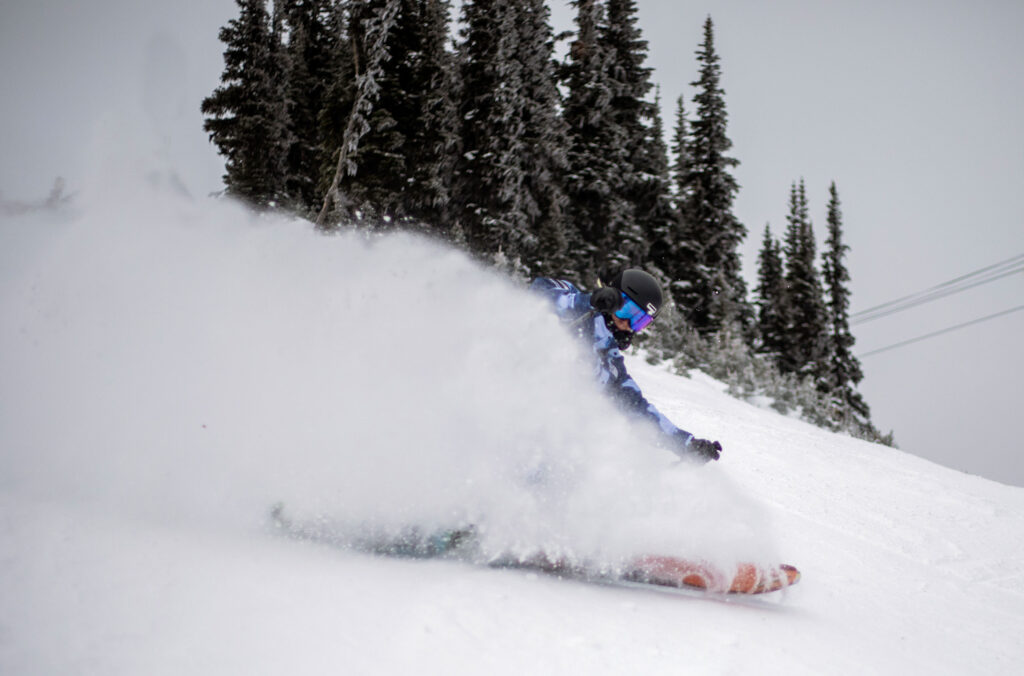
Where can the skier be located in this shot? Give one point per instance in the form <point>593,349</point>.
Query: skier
<point>607,319</point>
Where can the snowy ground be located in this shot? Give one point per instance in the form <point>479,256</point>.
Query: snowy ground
<point>169,368</point>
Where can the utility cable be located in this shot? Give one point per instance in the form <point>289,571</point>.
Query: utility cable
<point>939,333</point>
<point>1010,261</point>
<point>862,317</point>
<point>988,274</point>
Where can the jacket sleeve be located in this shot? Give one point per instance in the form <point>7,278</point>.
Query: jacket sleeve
<point>569,301</point>
<point>626,392</point>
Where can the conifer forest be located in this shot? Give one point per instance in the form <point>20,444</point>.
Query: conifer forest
<point>542,155</point>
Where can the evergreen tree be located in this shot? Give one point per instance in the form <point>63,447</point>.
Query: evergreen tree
<point>844,370</point>
<point>432,142</point>
<point>597,148</point>
<point>771,298</point>
<point>376,190</point>
<point>643,156</point>
<point>246,117</point>
<point>405,123</point>
<point>544,143</point>
<point>711,285</point>
<point>405,158</point>
<point>655,211</point>
<point>310,45</point>
<point>370,25</point>
<point>512,161</point>
<point>339,93</point>
<point>806,350</point>
<point>543,158</point>
<point>490,172</point>
<point>680,253</point>
<point>681,160</point>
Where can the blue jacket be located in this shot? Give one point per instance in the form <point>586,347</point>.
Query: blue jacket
<point>573,307</point>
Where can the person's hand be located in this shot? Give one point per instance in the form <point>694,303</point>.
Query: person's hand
<point>704,449</point>
<point>606,299</point>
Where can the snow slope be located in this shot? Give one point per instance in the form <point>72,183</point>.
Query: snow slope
<point>169,368</point>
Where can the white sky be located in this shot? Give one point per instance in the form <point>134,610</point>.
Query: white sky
<point>914,108</point>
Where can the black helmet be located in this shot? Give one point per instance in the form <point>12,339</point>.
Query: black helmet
<point>642,289</point>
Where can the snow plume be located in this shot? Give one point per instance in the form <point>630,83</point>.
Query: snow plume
<point>195,363</point>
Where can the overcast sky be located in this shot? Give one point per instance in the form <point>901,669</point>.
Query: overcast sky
<point>913,107</point>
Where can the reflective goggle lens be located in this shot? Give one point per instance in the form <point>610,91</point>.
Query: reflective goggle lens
<point>638,319</point>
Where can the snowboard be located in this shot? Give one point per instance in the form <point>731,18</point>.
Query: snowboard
<point>655,571</point>
<point>672,572</point>
<point>747,578</point>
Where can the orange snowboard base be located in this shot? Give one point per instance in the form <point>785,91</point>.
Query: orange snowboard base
<point>671,571</point>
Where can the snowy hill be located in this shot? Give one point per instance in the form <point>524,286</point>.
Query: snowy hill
<point>170,368</point>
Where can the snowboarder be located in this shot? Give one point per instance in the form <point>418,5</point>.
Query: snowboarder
<point>608,319</point>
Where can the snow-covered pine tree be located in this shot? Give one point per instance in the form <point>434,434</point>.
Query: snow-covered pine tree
<point>713,290</point>
<point>399,150</point>
<point>652,195</point>
<point>806,350</point>
<point>544,144</point>
<point>597,148</point>
<point>246,117</point>
<point>284,137</point>
<point>339,93</point>
<point>681,156</point>
<point>432,143</point>
<point>771,298</point>
<point>643,156</point>
<point>370,26</point>
<point>682,254</point>
<point>843,371</point>
<point>309,47</point>
<point>490,175</point>
<point>402,165</point>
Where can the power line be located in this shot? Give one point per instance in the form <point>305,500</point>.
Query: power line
<point>973,279</point>
<point>1009,261</point>
<point>939,333</point>
<point>935,295</point>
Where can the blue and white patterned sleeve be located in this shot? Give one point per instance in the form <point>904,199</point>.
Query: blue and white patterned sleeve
<point>569,301</point>
<point>626,392</point>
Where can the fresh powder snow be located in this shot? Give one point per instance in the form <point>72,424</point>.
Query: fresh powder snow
<point>171,367</point>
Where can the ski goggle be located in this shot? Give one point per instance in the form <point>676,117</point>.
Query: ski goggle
<point>638,319</point>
